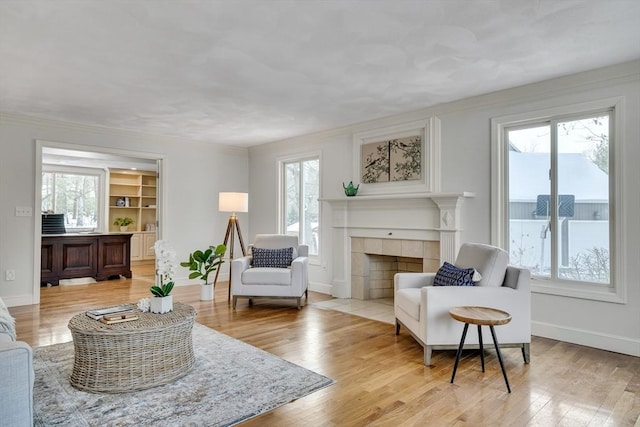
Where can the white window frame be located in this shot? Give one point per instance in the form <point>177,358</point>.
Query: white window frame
<point>616,291</point>
<point>102,189</point>
<point>315,258</point>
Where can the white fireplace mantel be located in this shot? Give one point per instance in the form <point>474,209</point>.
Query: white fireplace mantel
<point>397,196</point>
<point>413,216</point>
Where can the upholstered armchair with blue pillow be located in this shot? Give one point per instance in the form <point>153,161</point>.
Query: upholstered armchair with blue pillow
<point>480,276</point>
<point>276,268</point>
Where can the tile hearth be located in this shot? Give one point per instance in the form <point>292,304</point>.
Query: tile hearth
<point>380,309</point>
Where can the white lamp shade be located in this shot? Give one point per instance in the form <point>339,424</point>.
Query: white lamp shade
<point>233,202</point>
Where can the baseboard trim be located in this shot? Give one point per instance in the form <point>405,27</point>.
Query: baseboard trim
<point>322,288</point>
<point>608,342</point>
<point>17,300</point>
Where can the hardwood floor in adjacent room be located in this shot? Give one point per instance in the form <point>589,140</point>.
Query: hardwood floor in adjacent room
<point>380,378</point>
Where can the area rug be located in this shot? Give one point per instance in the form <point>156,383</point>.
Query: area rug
<point>230,383</point>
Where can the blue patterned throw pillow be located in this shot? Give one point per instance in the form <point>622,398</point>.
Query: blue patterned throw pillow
<point>450,275</point>
<point>278,258</point>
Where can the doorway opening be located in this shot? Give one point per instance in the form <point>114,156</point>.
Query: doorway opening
<point>148,210</point>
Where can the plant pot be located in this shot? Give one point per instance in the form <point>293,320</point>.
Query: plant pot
<point>162,304</point>
<point>206,292</point>
<point>124,228</point>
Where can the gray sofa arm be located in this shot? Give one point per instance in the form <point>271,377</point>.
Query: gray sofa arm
<point>16,383</point>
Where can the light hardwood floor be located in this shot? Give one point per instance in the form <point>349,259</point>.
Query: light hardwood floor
<point>380,378</point>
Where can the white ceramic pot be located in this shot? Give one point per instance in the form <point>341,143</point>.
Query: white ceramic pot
<point>206,292</point>
<point>124,228</point>
<point>162,304</point>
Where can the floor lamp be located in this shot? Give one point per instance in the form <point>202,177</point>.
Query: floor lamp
<point>232,202</point>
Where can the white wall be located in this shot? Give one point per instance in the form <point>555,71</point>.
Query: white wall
<point>335,164</point>
<point>194,174</point>
<point>192,220</point>
<point>466,166</point>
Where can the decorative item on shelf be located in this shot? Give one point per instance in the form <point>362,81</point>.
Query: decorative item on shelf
<point>123,223</point>
<point>201,264</point>
<point>120,202</point>
<point>162,301</point>
<point>350,190</point>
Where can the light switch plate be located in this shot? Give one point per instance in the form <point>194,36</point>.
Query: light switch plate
<point>24,211</point>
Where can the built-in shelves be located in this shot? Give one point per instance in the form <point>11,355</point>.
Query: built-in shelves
<point>142,246</point>
<point>134,194</point>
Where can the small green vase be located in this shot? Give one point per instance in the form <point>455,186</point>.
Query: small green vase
<point>350,190</point>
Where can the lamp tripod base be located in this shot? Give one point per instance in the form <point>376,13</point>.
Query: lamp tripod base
<point>233,227</point>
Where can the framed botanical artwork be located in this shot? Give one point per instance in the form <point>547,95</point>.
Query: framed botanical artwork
<point>399,159</point>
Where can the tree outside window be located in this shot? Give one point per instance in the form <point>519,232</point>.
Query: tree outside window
<point>558,198</point>
<point>301,190</point>
<point>76,195</point>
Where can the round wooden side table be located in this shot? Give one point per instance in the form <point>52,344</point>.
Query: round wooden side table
<point>481,316</point>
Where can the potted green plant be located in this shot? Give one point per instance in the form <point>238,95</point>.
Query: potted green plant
<point>162,301</point>
<point>201,264</point>
<point>123,223</point>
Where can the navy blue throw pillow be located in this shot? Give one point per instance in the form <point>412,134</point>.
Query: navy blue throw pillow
<point>450,275</point>
<point>278,258</point>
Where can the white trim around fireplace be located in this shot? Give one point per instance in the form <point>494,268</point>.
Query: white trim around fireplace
<point>425,216</point>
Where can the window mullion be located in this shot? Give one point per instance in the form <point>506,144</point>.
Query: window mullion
<point>505,190</point>
<point>283,197</point>
<point>54,177</point>
<point>553,199</point>
<point>284,204</point>
<point>301,215</point>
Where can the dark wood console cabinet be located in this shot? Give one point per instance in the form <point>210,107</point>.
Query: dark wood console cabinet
<point>69,256</point>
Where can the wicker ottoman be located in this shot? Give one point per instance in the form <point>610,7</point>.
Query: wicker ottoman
<point>153,350</point>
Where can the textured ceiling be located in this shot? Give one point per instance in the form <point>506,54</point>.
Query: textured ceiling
<point>249,72</point>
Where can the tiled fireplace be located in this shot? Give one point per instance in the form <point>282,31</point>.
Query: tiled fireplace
<point>411,229</point>
<point>375,261</point>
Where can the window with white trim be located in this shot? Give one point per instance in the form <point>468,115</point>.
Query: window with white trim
<point>300,210</point>
<point>554,196</point>
<point>76,193</point>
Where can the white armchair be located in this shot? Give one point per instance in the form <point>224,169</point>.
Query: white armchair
<point>250,281</point>
<point>423,309</point>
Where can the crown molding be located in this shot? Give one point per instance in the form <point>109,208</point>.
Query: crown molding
<point>613,75</point>
<point>28,120</point>
<point>622,73</point>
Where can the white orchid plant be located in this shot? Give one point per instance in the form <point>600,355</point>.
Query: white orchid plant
<point>166,265</point>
